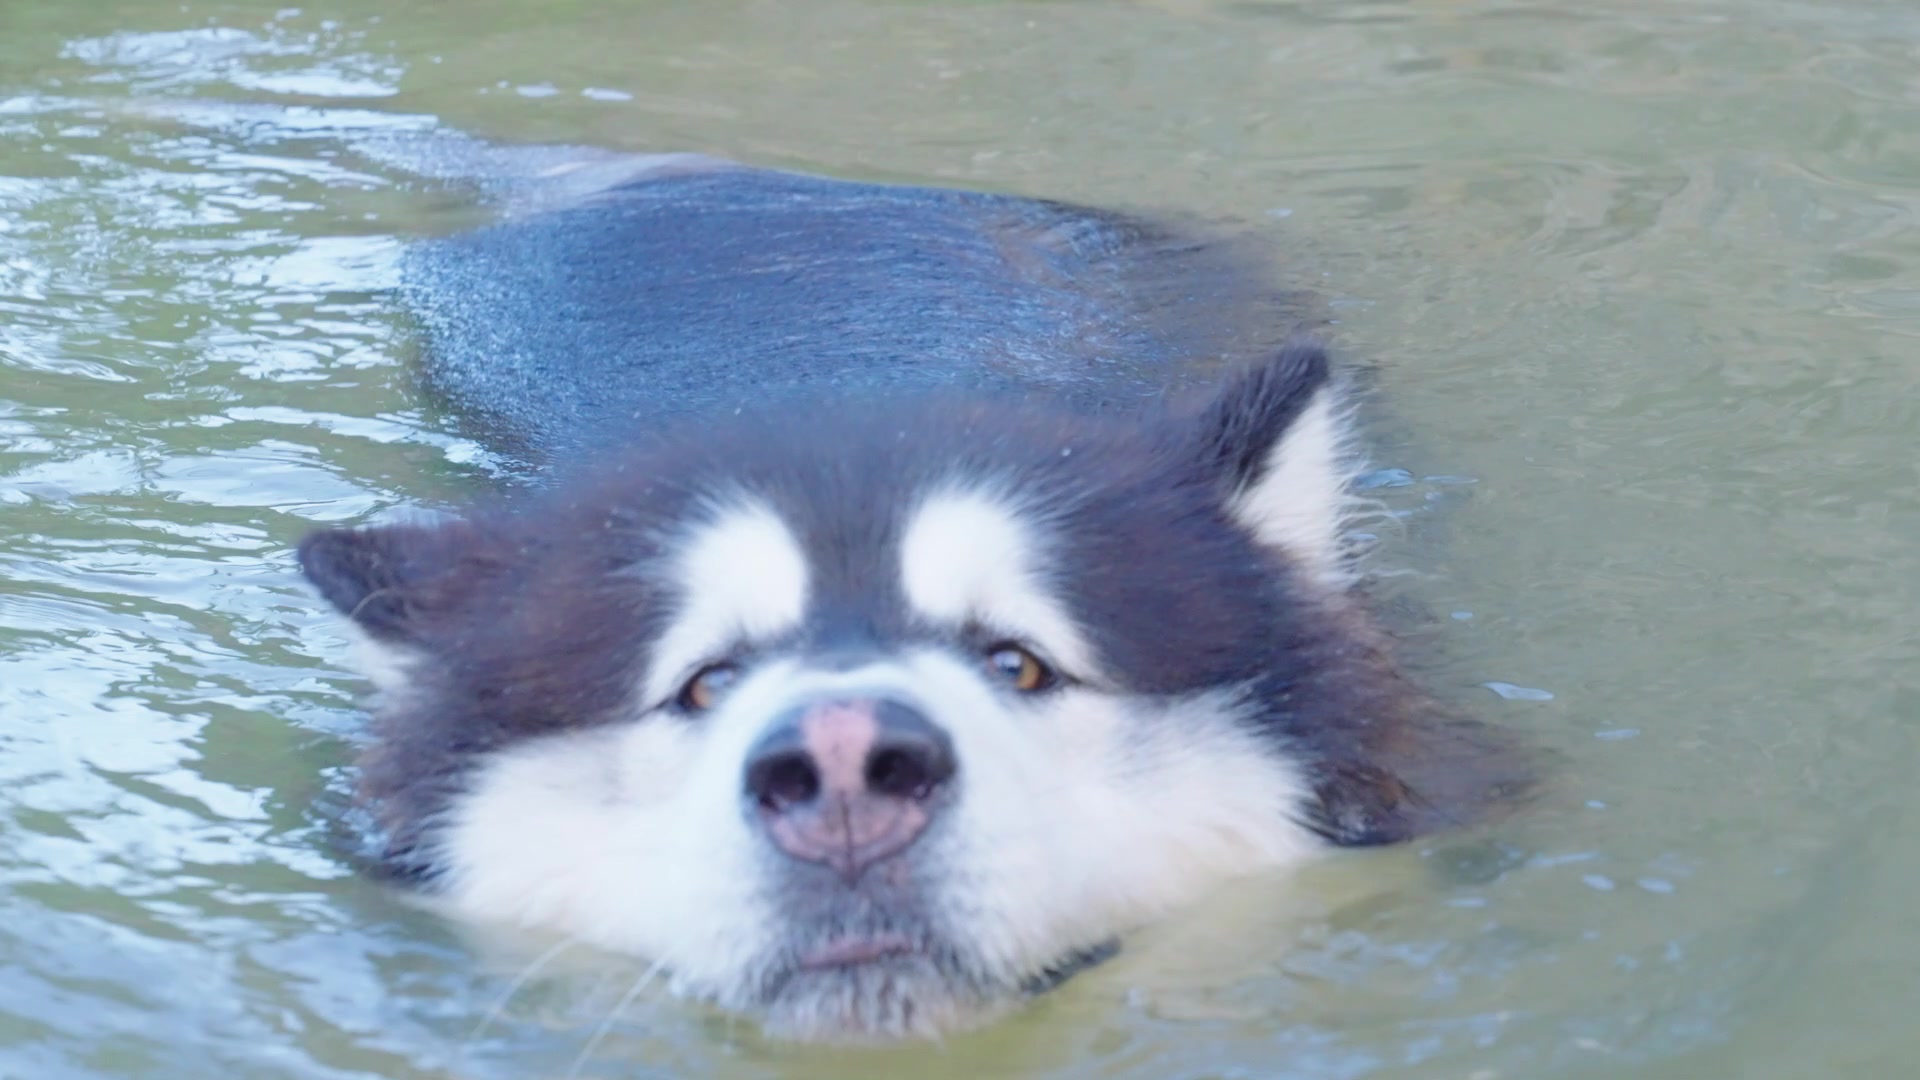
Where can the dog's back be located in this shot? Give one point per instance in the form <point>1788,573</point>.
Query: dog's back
<point>700,285</point>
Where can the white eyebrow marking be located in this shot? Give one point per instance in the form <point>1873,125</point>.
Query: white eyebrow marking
<point>969,556</point>
<point>741,574</point>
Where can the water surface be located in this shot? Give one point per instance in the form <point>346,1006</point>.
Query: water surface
<point>1642,281</point>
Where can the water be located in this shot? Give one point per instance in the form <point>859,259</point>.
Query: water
<point>1643,283</point>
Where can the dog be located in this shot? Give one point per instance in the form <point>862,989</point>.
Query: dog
<point>912,592</point>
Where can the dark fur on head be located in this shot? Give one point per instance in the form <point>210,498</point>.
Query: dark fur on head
<point>532,615</point>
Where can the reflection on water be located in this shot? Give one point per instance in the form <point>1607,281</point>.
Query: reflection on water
<point>1642,283</point>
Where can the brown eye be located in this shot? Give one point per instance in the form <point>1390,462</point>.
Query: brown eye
<point>1021,669</point>
<point>706,686</point>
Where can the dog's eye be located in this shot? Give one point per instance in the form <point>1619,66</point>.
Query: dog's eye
<point>706,686</point>
<point>1023,671</point>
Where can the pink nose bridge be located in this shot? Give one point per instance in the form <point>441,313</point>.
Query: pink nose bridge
<point>849,825</point>
<point>840,736</point>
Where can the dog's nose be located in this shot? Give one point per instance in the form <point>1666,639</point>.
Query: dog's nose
<point>848,783</point>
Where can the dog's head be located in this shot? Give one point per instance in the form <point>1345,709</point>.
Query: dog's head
<point>871,720</point>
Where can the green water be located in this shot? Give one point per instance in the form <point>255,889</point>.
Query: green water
<point>1645,272</point>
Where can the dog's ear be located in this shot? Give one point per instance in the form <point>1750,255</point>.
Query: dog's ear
<point>395,581</point>
<point>1274,438</point>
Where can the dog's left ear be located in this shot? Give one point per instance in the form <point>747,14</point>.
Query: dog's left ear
<point>404,587</point>
<point>392,581</point>
<point>1275,439</point>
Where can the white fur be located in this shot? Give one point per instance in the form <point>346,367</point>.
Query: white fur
<point>741,575</point>
<point>1087,813</point>
<point>390,667</point>
<point>1080,813</point>
<point>629,839</point>
<point>1301,503</point>
<point>1080,817</point>
<point>968,556</point>
<point>633,838</point>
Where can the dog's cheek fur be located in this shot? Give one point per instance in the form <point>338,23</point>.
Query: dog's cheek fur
<point>624,837</point>
<point>1083,815</point>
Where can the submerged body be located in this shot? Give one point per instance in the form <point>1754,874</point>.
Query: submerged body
<point>898,621</point>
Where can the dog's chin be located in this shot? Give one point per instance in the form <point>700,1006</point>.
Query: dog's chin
<point>875,988</point>
<point>885,986</point>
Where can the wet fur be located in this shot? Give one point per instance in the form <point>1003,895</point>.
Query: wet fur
<point>1018,372</point>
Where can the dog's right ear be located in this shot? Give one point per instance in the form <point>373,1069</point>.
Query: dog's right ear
<point>394,581</point>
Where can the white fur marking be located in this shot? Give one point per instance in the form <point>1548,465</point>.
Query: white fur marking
<point>742,574</point>
<point>388,666</point>
<point>1301,502</point>
<point>969,556</point>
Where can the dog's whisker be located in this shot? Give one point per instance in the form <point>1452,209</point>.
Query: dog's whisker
<point>613,1017</point>
<point>514,987</point>
<point>599,986</point>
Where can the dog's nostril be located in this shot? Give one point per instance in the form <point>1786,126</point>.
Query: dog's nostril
<point>783,780</point>
<point>899,772</point>
<point>912,757</point>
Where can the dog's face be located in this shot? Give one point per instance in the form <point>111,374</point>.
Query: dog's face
<point>870,724</point>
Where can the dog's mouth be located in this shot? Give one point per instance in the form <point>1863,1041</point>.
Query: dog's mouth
<point>859,950</point>
<point>854,950</point>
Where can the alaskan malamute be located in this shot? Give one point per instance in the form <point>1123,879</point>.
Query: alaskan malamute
<point>916,591</point>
